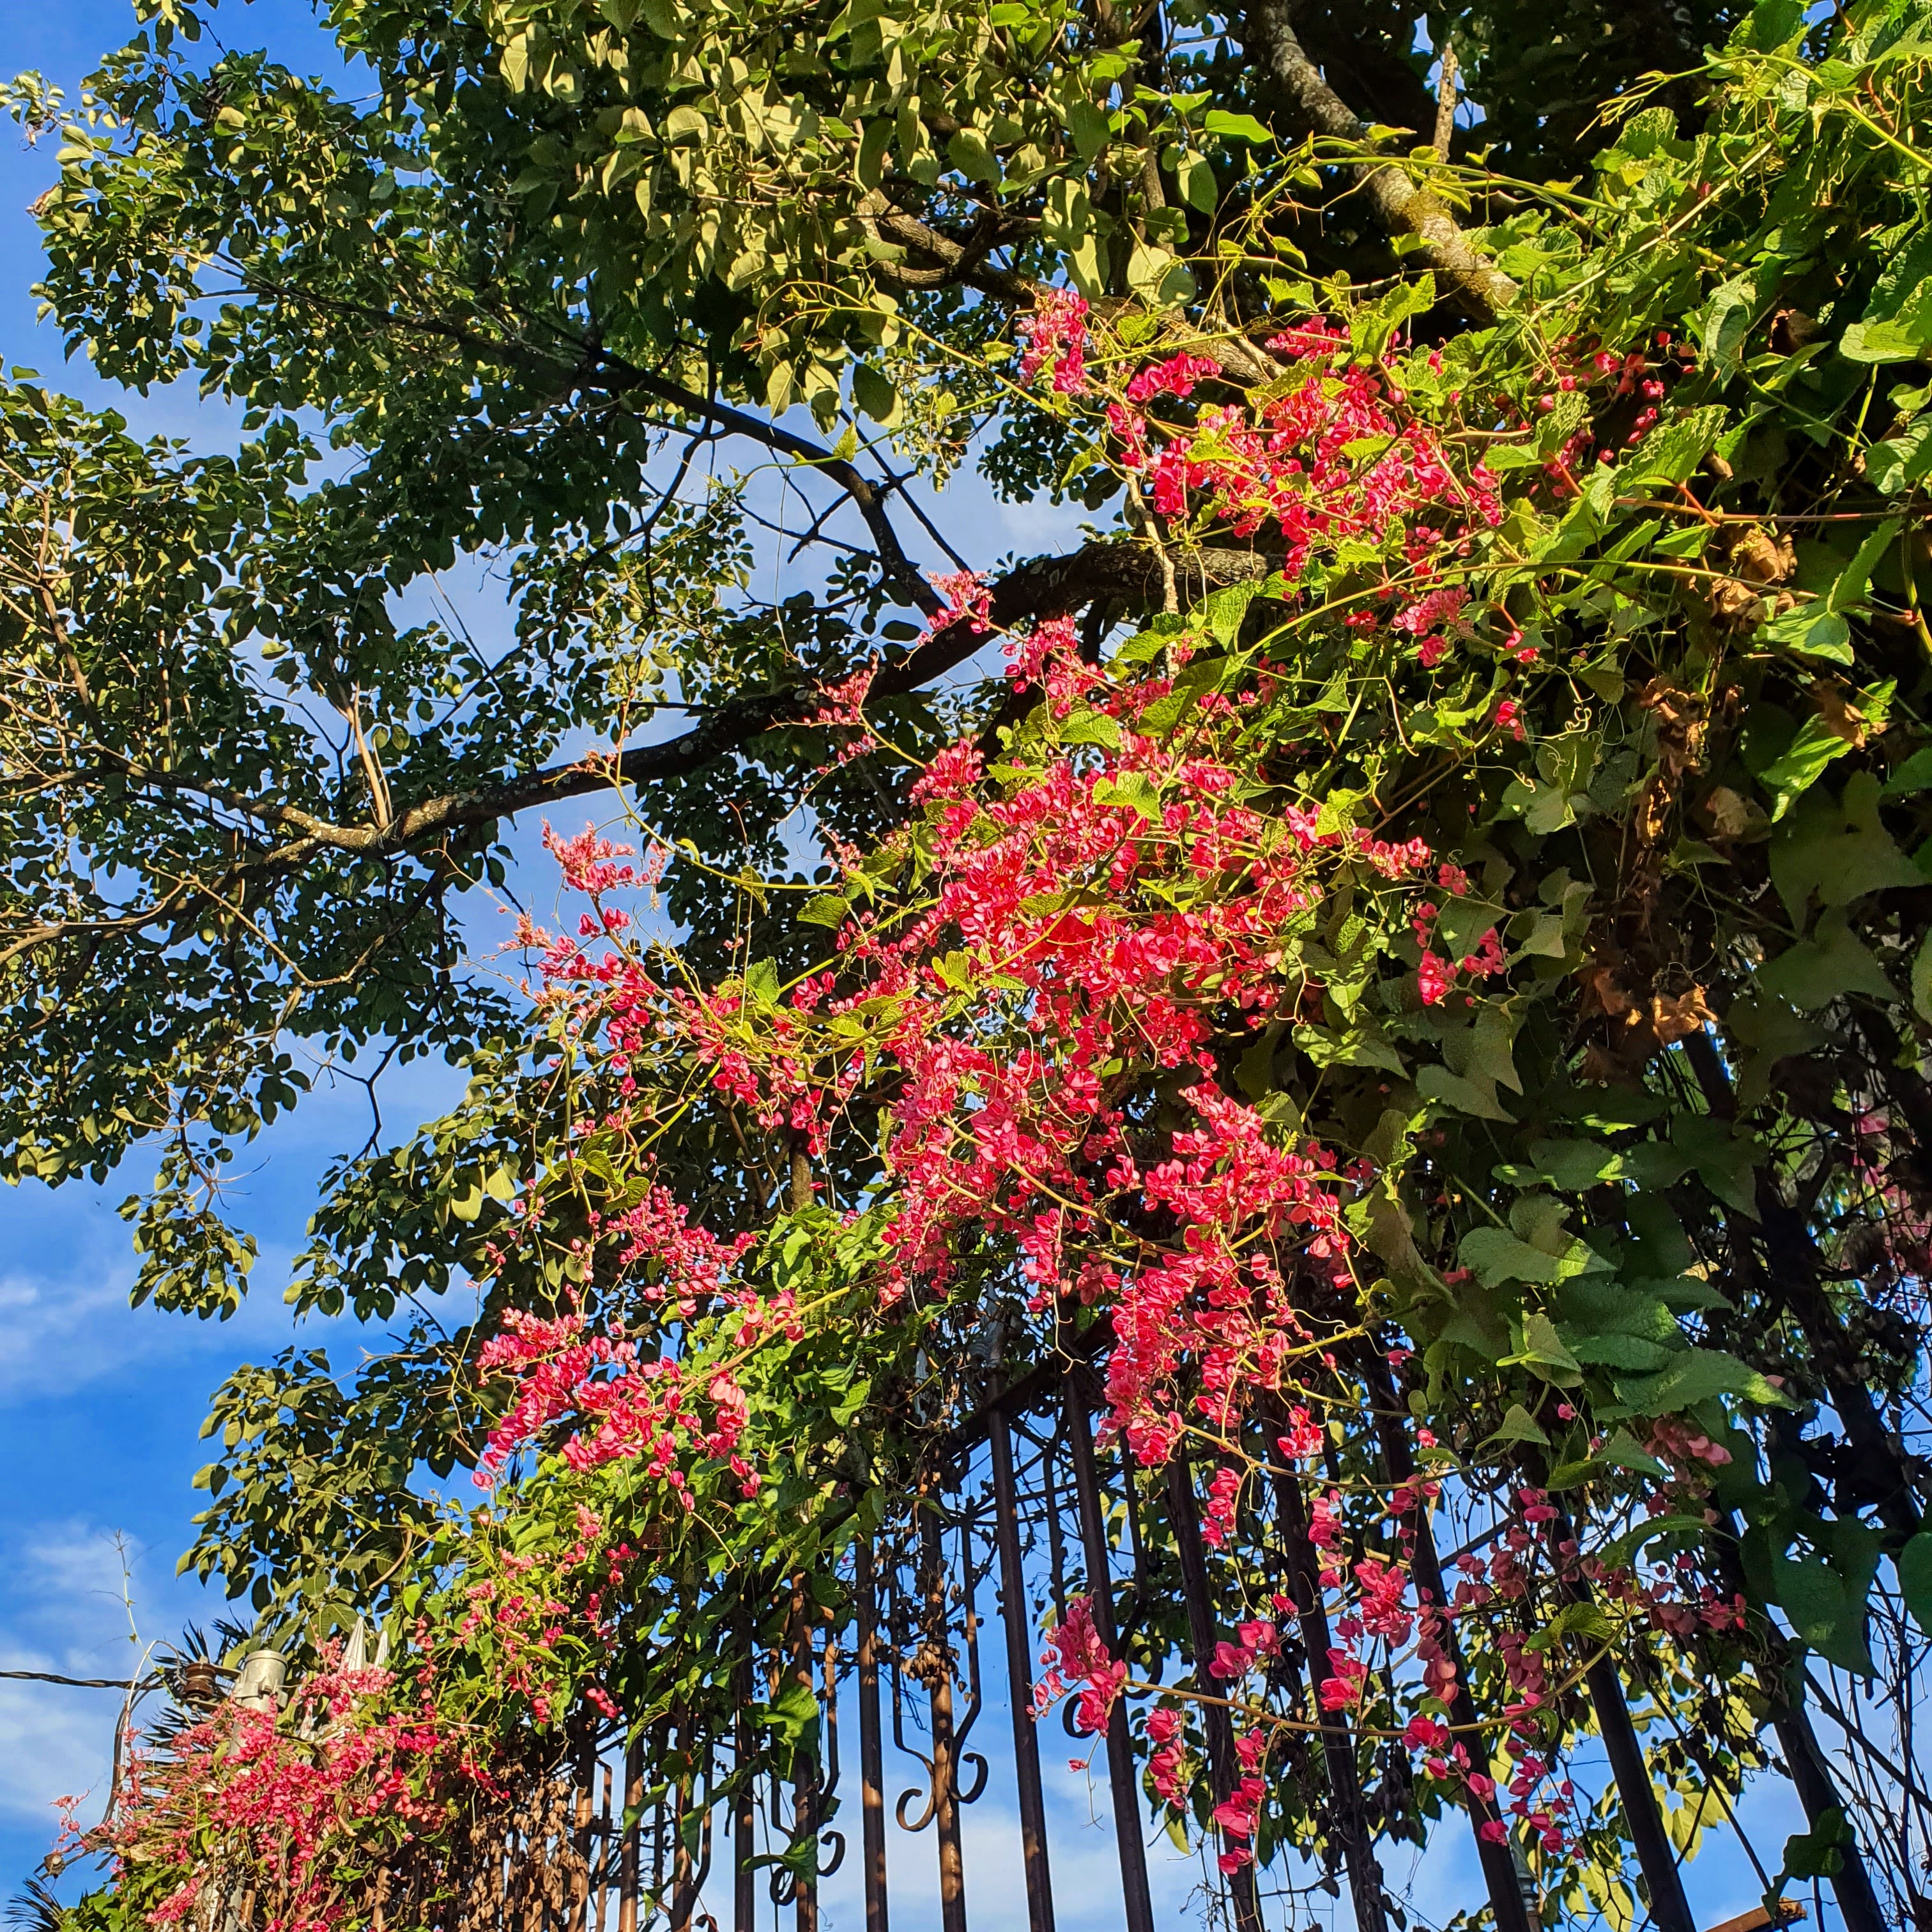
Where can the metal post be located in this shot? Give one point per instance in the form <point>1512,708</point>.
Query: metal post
<point>1338,1747</point>
<point>1499,1867</point>
<point>945,1750</point>
<point>1185,1521</point>
<point>1669,1910</point>
<point>1125,1786</point>
<point>629,1825</point>
<point>745,1799</point>
<point>872,1745</point>
<point>804,1782</point>
<point>585,1775</point>
<point>1013,1612</point>
<point>605,1827</point>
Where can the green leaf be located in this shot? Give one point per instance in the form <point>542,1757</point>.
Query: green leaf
<point>1083,726</point>
<point>1915,1578</point>
<point>1497,1256</point>
<point>1855,578</point>
<point>1769,1031</point>
<point>1825,1610</point>
<point>1574,1166</point>
<point>1915,775</point>
<point>1725,1160</point>
<point>1819,1853</point>
<point>1833,962</point>
<point>791,1714</point>
<point>1802,763</point>
<point>1198,188</point>
<point>1675,448</point>
<point>1543,1350</point>
<point>1921,980</point>
<point>1697,1376</point>
<point>826,909</point>
<point>1587,1621</point>
<point>1725,320</point>
<point>874,392</point>
<point>1158,278</point>
<point>1223,611</point>
<point>1461,922</point>
<point>1229,127</point>
<point>1902,459</point>
<point>1890,341</point>
<point>1841,851</point>
<point>1615,1555</point>
<point>1088,124</point>
<point>1634,1354</point>
<point>968,152</point>
<point>1815,630</point>
<point>1518,1425</point>
<point>1893,329</point>
<point>1134,791</point>
<point>1622,1451</point>
<point>1466,1097</point>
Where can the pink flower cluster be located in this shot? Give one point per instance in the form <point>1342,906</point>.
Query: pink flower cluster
<point>1075,1660</point>
<point>282,1792</point>
<point>622,1407</point>
<point>1055,335</point>
<point>1288,460</point>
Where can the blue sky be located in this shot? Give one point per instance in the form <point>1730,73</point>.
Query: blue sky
<point>100,1405</point>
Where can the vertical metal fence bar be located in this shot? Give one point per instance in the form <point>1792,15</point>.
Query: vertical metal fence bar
<point>1668,1907</point>
<point>1056,1542</point>
<point>630,1824</point>
<point>745,1799</point>
<point>1499,1867</point>
<point>804,1784</point>
<point>1185,1522</point>
<point>945,1766</point>
<point>1338,1746</point>
<point>585,1777</point>
<point>605,1828</point>
<point>1138,1906</point>
<point>872,1745</point>
<point>1015,1613</point>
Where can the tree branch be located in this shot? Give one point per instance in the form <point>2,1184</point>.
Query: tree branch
<point>1043,587</point>
<point>867,497</point>
<point>613,375</point>
<point>1401,206</point>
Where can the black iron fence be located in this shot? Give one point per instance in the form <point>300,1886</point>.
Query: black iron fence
<point>934,1677</point>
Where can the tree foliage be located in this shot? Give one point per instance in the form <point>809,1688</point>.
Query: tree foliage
<point>1514,560</point>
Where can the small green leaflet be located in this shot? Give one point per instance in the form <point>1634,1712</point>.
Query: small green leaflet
<point>1133,791</point>
<point>1518,1425</point>
<point>761,983</point>
<point>1813,630</point>
<point>1855,578</point>
<point>1235,126</point>
<point>1497,1256</point>
<point>825,909</point>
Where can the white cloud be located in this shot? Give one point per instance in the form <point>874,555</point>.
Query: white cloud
<point>67,1324</point>
<point>62,1609</point>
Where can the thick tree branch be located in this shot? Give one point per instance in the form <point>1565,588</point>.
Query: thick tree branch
<point>1402,207</point>
<point>1044,587</point>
